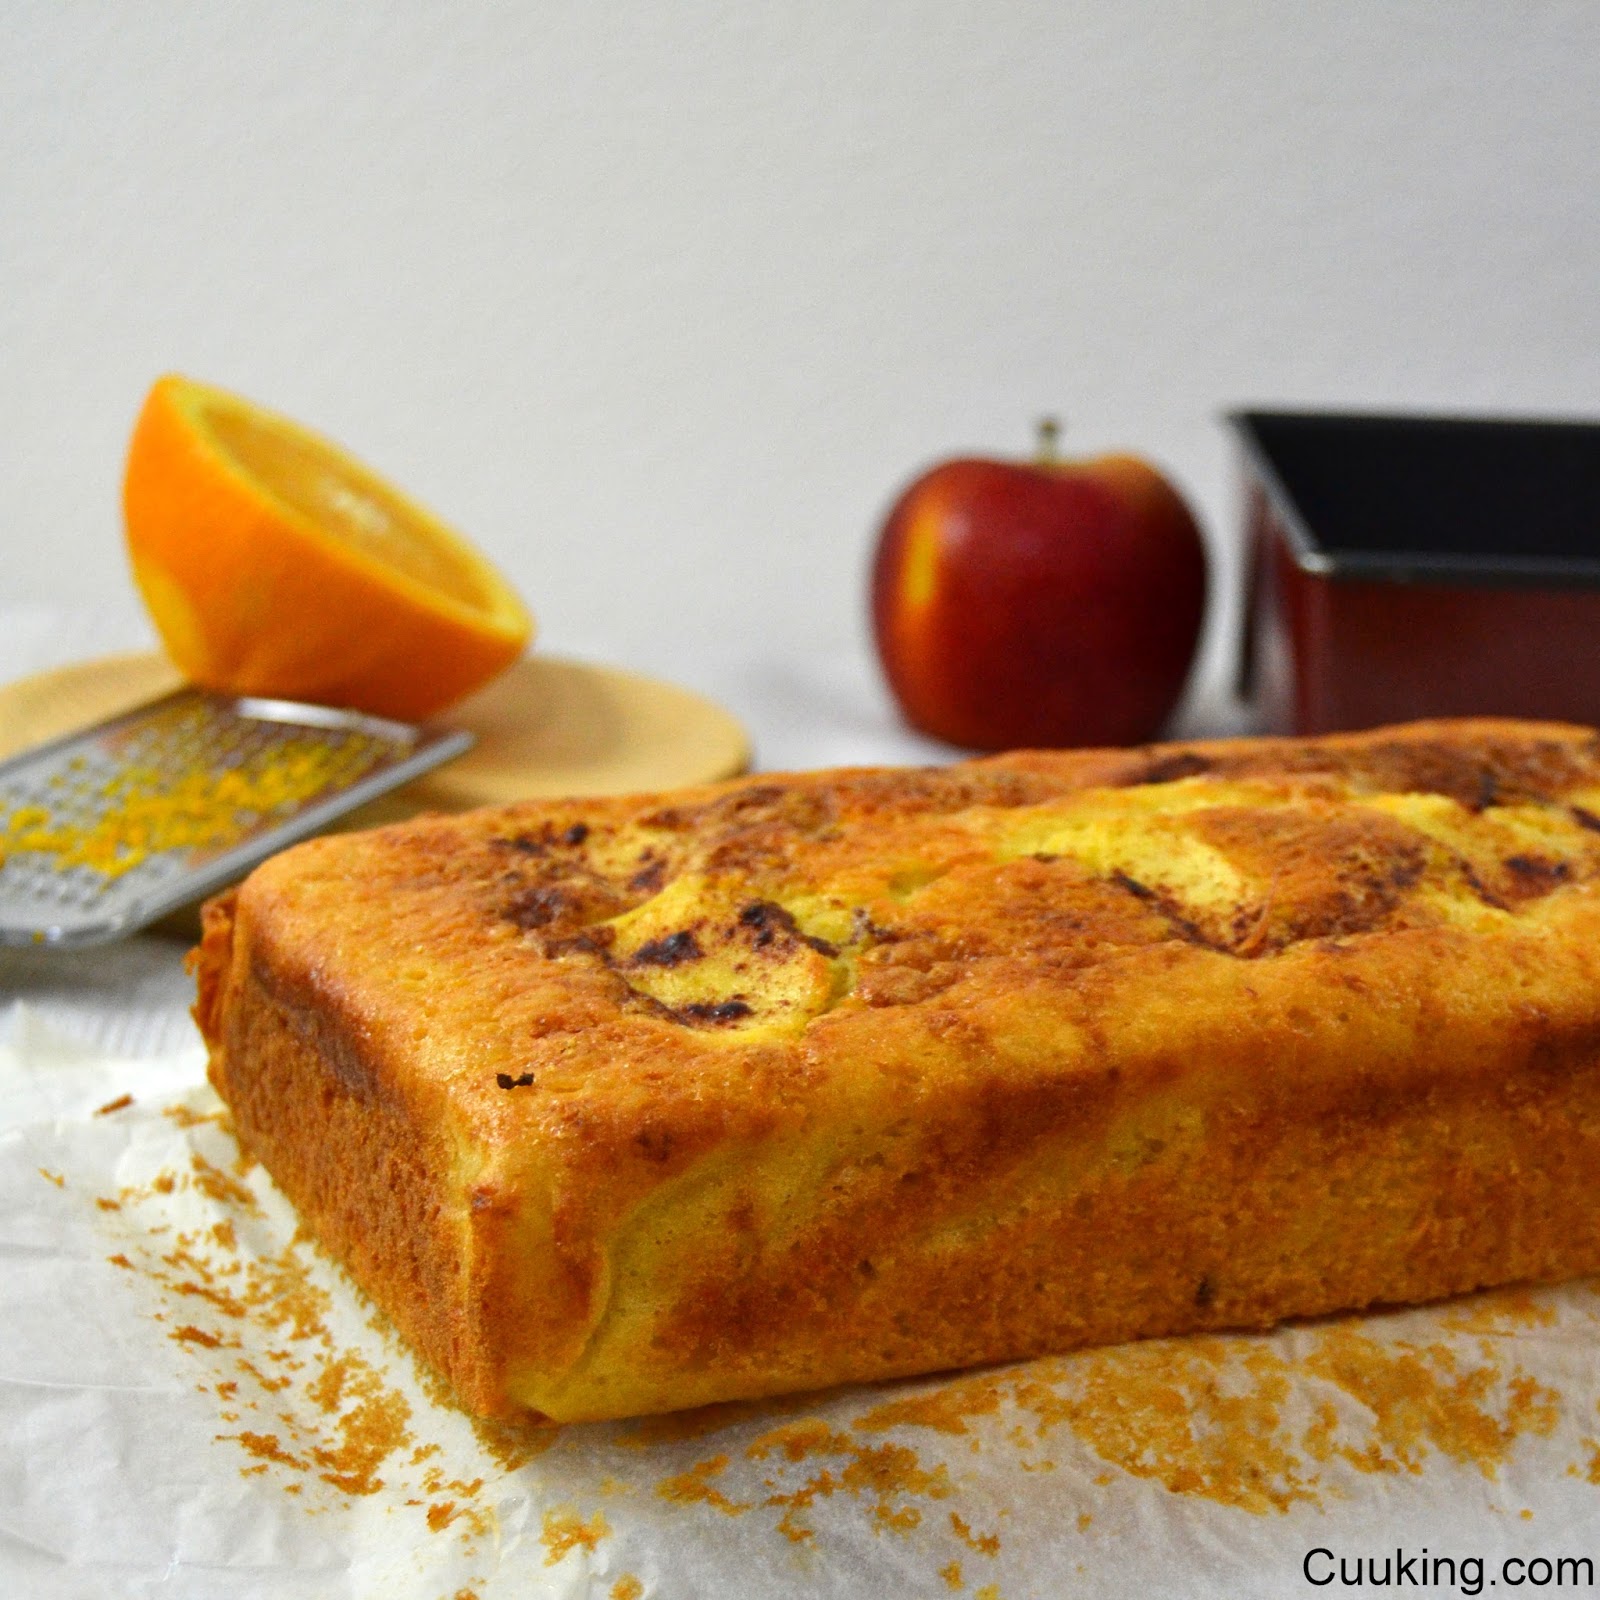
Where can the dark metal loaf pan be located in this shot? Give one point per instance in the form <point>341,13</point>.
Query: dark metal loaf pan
<point>1411,566</point>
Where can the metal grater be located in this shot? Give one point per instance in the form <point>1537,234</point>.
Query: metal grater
<point>104,831</point>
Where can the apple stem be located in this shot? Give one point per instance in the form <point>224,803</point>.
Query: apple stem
<point>1049,437</point>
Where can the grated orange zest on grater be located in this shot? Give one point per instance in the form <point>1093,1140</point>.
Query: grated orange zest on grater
<point>143,812</point>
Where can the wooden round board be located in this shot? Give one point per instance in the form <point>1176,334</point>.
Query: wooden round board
<point>547,727</point>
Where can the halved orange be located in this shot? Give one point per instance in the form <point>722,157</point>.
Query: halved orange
<point>275,564</point>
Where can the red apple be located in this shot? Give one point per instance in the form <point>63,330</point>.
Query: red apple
<point>1039,603</point>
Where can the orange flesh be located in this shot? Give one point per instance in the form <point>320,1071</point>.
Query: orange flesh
<point>342,502</point>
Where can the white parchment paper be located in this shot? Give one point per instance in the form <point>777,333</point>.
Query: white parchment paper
<point>194,1403</point>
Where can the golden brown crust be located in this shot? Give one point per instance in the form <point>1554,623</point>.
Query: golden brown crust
<point>629,1104</point>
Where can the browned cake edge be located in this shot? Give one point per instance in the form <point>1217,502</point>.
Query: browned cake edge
<point>369,1174</point>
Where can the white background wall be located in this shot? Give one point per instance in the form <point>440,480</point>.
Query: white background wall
<point>660,303</point>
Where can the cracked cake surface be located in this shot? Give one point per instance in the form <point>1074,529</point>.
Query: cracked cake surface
<point>629,1104</point>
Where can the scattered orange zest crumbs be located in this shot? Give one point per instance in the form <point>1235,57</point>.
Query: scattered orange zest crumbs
<point>106,1203</point>
<point>325,1390</point>
<point>359,1423</point>
<point>189,1334</point>
<point>441,1514</point>
<point>990,1591</point>
<point>216,1184</point>
<point>1422,1396</point>
<point>795,1532</point>
<point>952,1575</point>
<point>120,1260</point>
<point>1207,1416</point>
<point>986,1544</point>
<point>58,1179</point>
<point>627,1587</point>
<point>929,1411</point>
<point>511,1442</point>
<point>875,1474</point>
<point>566,1530</point>
<point>121,1103</point>
<point>368,1433</point>
<point>1084,1519</point>
<point>435,1482</point>
<point>188,1117</point>
<point>1506,1311</point>
<point>694,1487</point>
<point>266,1446</point>
<point>229,1305</point>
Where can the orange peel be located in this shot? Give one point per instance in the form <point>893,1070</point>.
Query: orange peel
<point>274,563</point>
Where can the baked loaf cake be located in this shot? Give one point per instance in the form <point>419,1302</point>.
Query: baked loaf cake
<point>619,1106</point>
